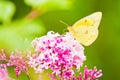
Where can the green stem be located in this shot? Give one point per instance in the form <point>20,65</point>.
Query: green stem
<point>28,77</point>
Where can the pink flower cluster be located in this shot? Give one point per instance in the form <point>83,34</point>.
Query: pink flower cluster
<point>60,53</point>
<point>91,74</point>
<point>87,75</point>
<point>4,74</point>
<point>13,60</point>
<point>19,63</point>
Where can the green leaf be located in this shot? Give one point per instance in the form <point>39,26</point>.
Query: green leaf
<point>7,9</point>
<point>46,5</point>
<point>29,28</point>
<point>20,34</point>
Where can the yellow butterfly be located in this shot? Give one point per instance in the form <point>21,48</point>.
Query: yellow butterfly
<point>86,29</point>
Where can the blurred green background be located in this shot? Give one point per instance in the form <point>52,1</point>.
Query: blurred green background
<point>23,20</point>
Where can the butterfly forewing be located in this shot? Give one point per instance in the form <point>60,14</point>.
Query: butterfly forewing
<point>86,29</point>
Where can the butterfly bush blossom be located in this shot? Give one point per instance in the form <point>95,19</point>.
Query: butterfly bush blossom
<point>58,52</point>
<point>61,53</point>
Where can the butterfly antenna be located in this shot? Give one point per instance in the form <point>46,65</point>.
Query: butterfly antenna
<point>64,23</point>
<point>65,30</point>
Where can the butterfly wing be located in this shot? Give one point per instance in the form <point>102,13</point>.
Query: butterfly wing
<point>86,29</point>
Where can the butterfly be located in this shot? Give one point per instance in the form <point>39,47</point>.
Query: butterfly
<point>85,30</point>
